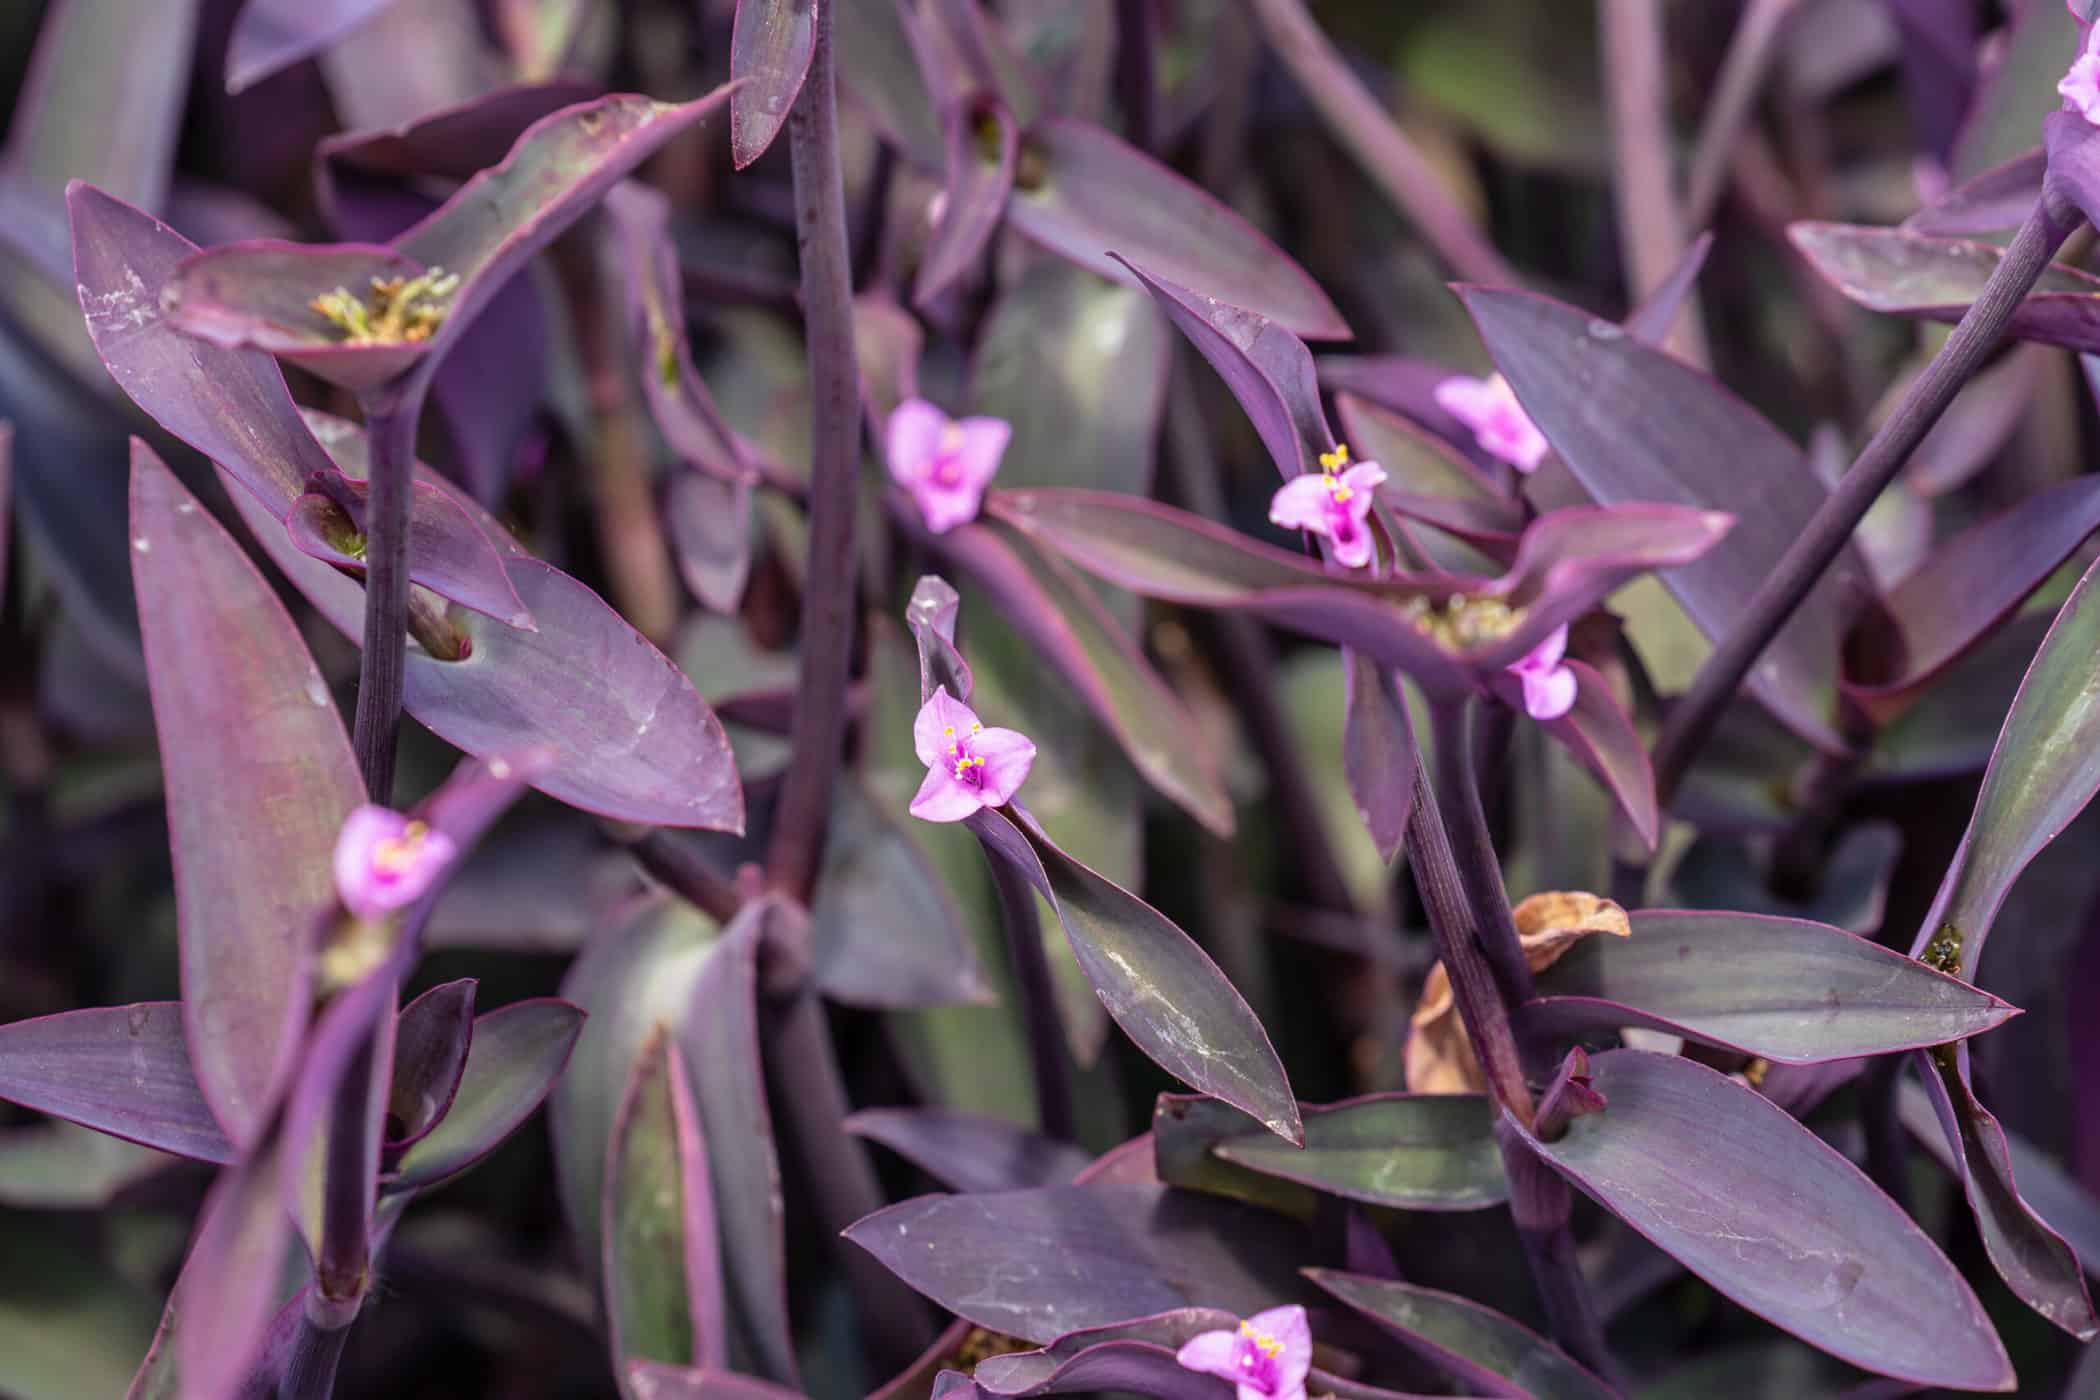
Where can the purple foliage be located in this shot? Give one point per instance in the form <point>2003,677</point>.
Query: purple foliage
<point>913,637</point>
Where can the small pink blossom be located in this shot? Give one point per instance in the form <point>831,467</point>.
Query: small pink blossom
<point>384,860</point>
<point>944,463</point>
<point>1490,408</point>
<point>2080,88</point>
<point>1266,1357</point>
<point>1334,503</point>
<point>1549,686</point>
<point>967,766</point>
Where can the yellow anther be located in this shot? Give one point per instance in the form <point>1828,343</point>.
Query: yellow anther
<point>1263,1342</point>
<point>1332,462</point>
<point>952,438</point>
<point>403,310</point>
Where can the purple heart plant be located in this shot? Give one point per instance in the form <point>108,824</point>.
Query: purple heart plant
<point>1461,863</point>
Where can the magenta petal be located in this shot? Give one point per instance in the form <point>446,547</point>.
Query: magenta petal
<point>945,507</point>
<point>1007,757</point>
<point>983,444</point>
<point>1550,694</point>
<point>942,720</point>
<point>1301,504</point>
<point>1212,1353</point>
<point>1289,1326</point>
<point>355,848</point>
<point>911,438</point>
<point>1362,477</point>
<point>945,798</point>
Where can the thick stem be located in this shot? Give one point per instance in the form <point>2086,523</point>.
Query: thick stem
<point>1541,1204</point>
<point>1363,126</point>
<point>1046,1028</point>
<point>1480,1004</point>
<point>810,1100</point>
<point>1458,793</point>
<point>673,863</point>
<point>1651,230</point>
<point>1692,719</point>
<point>827,601</point>
<point>390,429</point>
<point>1749,59</point>
<point>309,1372</point>
<point>1136,84</point>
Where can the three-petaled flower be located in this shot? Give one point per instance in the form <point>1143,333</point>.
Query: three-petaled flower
<point>1335,504</point>
<point>1266,1357</point>
<point>945,463</point>
<point>1549,686</point>
<point>1498,422</point>
<point>2081,86</point>
<point>968,767</point>
<point>384,860</point>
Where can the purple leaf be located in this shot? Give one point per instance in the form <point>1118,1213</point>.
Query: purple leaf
<point>232,406</point>
<point>489,391</point>
<point>259,294</point>
<point>678,400</point>
<point>1378,751</point>
<point>969,1152</point>
<point>454,557</point>
<point>887,79</point>
<point>259,777</point>
<point>272,35</point>
<point>986,64</point>
<point>663,1275</point>
<point>1085,195</point>
<point>431,1044</point>
<point>1406,386</point>
<point>516,1055</point>
<point>1039,1264</point>
<point>1158,985</point>
<point>1121,1366</point>
<point>1633,424</point>
<point>335,1129</point>
<point>1771,1216</point>
<point>123,1070</point>
<point>1268,369</point>
<point>228,1287</point>
<point>884,931</point>
<point>653,1380</point>
<point>1478,1346</point>
<point>1934,279</point>
<point>1076,636</point>
<point>627,735</point>
<point>1650,322</point>
<point>978,183</point>
<point>1998,198</point>
<point>1431,1152</point>
<point>1787,990</point>
<point>1603,738</point>
<point>1963,590</point>
<point>710,524</point>
<point>2026,1250</point>
<point>769,53</point>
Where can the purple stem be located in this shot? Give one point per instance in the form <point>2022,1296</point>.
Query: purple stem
<point>309,1371</point>
<point>1541,1204</point>
<point>1046,1029</point>
<point>343,1272</point>
<point>1651,230</point>
<point>1749,59</point>
<point>1691,720</point>
<point>1360,122</point>
<point>1480,872</point>
<point>390,413</point>
<point>1137,87</point>
<point>674,864</point>
<point>827,601</point>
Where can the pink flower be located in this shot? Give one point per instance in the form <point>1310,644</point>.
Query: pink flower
<point>943,462</point>
<point>1490,408</point>
<point>1331,504</point>
<point>967,766</point>
<point>1549,686</point>
<point>384,860</point>
<point>2080,87</point>
<point>1266,1358</point>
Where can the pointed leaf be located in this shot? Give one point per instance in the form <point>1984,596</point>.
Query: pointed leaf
<point>516,1055</point>
<point>979,181</point>
<point>1786,990</point>
<point>769,53</point>
<point>1650,322</point>
<point>1602,736</point>
<point>259,778</point>
<point>1998,198</point>
<point>1039,1264</point>
<point>1158,985</point>
<point>1477,1345</point>
<point>1766,1212</point>
<point>1378,751</point>
<point>334,1131</point>
<point>663,1284</point>
<point>710,524</point>
<point>1633,424</point>
<point>931,617</point>
<point>123,1070</point>
<point>1085,195</point>
<point>1934,279</point>
<point>228,1287</point>
<point>970,1152</point>
<point>272,35</point>
<point>431,1044</point>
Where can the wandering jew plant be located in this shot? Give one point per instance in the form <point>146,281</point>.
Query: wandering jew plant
<point>1064,772</point>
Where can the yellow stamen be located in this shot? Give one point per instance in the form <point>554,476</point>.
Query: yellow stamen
<point>1332,462</point>
<point>403,310</point>
<point>952,438</point>
<point>396,854</point>
<point>1264,1343</point>
<point>1460,622</point>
